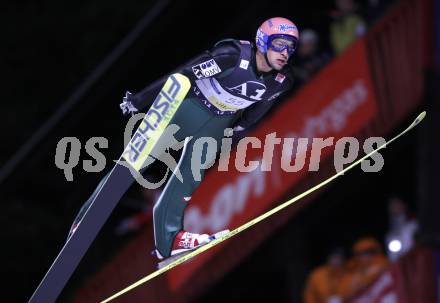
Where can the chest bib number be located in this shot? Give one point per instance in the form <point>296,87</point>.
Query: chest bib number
<point>224,100</point>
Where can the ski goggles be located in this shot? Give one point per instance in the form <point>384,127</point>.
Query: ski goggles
<point>281,42</point>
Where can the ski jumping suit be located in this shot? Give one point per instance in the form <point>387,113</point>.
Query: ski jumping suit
<point>227,91</point>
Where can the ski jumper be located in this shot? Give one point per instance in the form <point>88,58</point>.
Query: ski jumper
<point>227,91</point>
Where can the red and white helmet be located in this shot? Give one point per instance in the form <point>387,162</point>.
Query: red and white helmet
<point>273,28</point>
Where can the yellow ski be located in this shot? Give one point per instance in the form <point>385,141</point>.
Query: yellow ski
<point>260,218</point>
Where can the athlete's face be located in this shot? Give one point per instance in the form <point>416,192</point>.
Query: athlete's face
<point>278,59</point>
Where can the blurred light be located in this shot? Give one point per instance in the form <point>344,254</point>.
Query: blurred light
<point>395,245</point>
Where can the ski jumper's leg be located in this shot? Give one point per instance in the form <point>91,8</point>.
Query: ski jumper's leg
<point>194,119</point>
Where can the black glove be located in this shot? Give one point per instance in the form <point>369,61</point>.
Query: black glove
<point>127,106</point>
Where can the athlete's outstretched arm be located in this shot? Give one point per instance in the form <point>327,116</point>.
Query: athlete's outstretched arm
<point>225,53</point>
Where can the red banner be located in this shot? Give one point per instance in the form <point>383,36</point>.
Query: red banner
<point>384,289</point>
<point>338,102</point>
<point>411,280</point>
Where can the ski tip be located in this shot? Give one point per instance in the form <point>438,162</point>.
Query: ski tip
<point>419,118</point>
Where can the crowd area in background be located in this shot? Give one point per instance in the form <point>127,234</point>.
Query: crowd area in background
<point>340,278</point>
<point>349,20</point>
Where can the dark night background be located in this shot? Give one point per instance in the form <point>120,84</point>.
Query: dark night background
<point>49,48</point>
